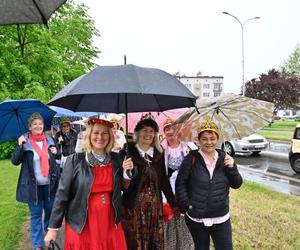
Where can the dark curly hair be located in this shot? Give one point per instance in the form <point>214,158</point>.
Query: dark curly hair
<point>146,122</point>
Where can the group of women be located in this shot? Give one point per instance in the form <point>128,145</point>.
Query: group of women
<point>112,200</point>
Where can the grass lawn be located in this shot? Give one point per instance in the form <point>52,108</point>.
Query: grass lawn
<point>261,219</point>
<point>279,130</point>
<point>276,136</point>
<point>282,125</point>
<point>264,219</point>
<point>12,213</point>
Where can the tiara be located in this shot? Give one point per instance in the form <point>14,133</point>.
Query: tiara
<point>94,121</point>
<point>208,125</point>
<point>147,116</point>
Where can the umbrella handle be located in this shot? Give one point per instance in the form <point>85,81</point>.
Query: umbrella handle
<point>130,173</point>
<point>133,172</point>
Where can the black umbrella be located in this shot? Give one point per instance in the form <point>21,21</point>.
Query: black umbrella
<point>27,11</point>
<point>123,89</point>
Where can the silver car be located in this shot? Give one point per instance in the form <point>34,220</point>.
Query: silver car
<point>251,144</point>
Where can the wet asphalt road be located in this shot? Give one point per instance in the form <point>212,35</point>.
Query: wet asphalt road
<point>271,169</point>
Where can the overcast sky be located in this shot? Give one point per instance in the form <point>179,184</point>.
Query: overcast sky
<point>193,35</point>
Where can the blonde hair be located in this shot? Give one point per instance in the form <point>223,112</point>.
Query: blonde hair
<point>155,143</point>
<point>87,140</point>
<point>33,117</point>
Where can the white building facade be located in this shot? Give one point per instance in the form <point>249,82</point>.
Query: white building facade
<point>204,87</point>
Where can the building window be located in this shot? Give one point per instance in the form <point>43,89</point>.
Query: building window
<point>188,85</point>
<point>217,86</point>
<point>206,86</point>
<point>217,94</point>
<point>205,94</point>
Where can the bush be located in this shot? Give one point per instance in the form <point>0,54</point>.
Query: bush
<point>6,149</point>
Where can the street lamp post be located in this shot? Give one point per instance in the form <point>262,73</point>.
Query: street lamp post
<point>243,60</point>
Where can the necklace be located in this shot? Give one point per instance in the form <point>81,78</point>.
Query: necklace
<point>100,157</point>
<point>97,159</point>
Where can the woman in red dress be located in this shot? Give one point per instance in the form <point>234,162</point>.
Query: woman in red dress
<point>89,194</point>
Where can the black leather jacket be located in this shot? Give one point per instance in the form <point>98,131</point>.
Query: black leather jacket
<point>68,144</point>
<point>74,188</point>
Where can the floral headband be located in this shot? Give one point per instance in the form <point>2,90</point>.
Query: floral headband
<point>94,121</point>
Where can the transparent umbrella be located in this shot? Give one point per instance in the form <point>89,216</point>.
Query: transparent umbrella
<point>237,116</point>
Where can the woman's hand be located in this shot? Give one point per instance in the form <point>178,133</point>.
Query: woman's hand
<point>127,164</point>
<point>51,235</point>
<point>228,161</point>
<point>53,150</point>
<point>60,139</point>
<point>21,140</point>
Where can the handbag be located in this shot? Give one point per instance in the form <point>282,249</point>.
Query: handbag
<point>53,245</point>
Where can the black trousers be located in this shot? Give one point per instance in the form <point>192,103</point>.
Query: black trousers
<point>221,235</point>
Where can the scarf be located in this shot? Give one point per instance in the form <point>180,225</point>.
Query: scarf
<point>43,153</point>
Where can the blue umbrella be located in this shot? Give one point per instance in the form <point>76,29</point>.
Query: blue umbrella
<point>14,116</point>
<point>60,112</point>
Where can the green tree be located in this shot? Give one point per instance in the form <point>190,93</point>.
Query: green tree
<point>37,62</point>
<point>292,65</point>
<point>280,88</point>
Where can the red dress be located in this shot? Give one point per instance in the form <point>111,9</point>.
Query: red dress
<point>99,232</point>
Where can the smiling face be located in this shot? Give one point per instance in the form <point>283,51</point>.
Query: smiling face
<point>208,141</point>
<point>65,127</point>
<point>169,132</point>
<point>99,138</point>
<point>36,127</point>
<point>146,136</point>
<point>115,127</point>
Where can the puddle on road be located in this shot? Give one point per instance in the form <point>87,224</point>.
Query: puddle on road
<point>255,166</point>
<point>273,182</point>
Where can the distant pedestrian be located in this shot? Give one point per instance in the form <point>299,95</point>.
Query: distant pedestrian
<point>39,176</point>
<point>202,190</point>
<point>66,138</point>
<point>120,139</point>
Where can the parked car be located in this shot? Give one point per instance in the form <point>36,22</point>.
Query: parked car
<point>296,117</point>
<point>294,154</point>
<point>252,144</point>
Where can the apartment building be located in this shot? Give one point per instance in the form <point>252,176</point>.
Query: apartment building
<point>203,86</point>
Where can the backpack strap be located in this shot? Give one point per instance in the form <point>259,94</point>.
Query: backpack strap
<point>193,160</point>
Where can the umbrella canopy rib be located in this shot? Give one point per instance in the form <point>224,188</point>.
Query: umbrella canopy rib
<point>44,19</point>
<point>232,124</point>
<point>249,112</point>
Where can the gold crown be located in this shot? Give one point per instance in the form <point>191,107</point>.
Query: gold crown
<point>208,125</point>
